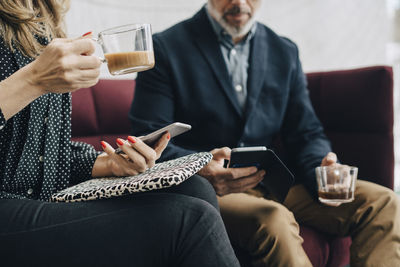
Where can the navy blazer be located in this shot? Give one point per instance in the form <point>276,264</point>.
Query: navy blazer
<point>190,83</point>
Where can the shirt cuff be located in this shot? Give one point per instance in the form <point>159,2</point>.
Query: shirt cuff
<point>2,120</point>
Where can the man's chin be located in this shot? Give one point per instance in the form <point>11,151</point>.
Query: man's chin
<point>237,31</point>
<point>237,21</point>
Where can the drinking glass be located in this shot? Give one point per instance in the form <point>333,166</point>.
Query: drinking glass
<point>336,183</point>
<point>127,48</point>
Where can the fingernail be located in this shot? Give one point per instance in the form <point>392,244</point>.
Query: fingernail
<point>103,144</point>
<point>86,34</point>
<point>168,136</point>
<point>131,139</point>
<point>120,142</point>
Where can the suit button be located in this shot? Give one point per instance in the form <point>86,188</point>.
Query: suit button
<point>30,191</point>
<point>41,159</point>
<point>238,88</point>
<point>46,120</point>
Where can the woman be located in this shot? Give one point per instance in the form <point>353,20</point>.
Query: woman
<point>39,68</point>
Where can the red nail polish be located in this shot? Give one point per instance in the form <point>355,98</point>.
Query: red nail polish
<point>86,34</point>
<point>120,142</point>
<point>131,139</point>
<point>103,144</point>
<point>168,136</point>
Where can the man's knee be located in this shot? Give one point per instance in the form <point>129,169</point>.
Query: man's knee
<point>377,195</point>
<point>268,225</point>
<point>276,220</point>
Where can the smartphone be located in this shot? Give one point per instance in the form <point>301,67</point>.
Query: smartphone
<point>174,129</point>
<point>278,178</point>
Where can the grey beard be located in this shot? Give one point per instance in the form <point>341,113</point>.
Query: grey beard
<point>233,31</point>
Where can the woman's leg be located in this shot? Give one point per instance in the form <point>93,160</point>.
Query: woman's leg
<point>197,187</point>
<point>150,229</point>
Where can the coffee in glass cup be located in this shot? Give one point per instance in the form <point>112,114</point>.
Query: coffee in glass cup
<point>127,48</point>
<point>336,183</point>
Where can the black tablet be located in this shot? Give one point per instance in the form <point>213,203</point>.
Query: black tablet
<point>278,178</point>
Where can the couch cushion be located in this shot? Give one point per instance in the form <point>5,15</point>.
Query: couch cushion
<point>84,116</point>
<point>113,99</point>
<point>101,112</point>
<point>315,245</point>
<point>339,252</point>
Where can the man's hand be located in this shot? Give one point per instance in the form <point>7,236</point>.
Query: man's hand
<point>229,180</point>
<point>330,159</point>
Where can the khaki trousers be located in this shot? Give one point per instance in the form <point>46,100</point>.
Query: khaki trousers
<point>269,231</point>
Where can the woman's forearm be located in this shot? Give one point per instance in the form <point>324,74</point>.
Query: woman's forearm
<point>17,91</point>
<point>64,65</point>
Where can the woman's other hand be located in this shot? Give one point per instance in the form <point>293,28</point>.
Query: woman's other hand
<point>137,157</point>
<point>65,65</point>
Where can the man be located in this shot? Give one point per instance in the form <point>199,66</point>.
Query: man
<point>239,84</point>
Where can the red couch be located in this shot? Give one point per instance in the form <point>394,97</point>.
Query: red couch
<point>355,107</point>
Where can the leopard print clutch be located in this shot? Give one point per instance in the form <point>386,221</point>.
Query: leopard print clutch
<point>162,175</point>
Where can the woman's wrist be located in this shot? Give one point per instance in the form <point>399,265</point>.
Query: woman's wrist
<point>18,91</point>
<point>34,85</point>
<point>101,167</point>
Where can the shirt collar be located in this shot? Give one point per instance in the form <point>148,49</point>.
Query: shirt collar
<point>223,35</point>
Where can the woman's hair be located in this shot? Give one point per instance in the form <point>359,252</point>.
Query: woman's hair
<point>22,21</point>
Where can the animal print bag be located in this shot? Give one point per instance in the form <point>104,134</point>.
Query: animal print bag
<point>162,175</point>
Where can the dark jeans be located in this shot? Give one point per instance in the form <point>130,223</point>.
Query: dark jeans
<point>172,227</point>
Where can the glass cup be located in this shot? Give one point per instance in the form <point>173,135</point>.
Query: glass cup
<point>336,183</point>
<point>127,48</point>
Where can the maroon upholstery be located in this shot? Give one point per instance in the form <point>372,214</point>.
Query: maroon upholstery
<point>109,100</point>
<point>355,107</point>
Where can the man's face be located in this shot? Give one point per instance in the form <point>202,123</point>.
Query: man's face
<point>236,13</point>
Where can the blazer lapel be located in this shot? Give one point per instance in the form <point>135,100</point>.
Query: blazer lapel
<point>206,40</point>
<point>257,70</point>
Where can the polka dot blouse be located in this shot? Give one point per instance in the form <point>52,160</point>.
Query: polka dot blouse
<point>37,156</point>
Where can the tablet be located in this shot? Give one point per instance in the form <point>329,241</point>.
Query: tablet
<point>278,178</point>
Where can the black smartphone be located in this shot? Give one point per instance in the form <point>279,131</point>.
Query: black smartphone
<point>174,129</point>
<point>278,178</point>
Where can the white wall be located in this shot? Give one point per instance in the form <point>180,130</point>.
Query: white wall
<point>331,34</point>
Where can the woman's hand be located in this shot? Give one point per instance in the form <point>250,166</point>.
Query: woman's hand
<point>137,157</point>
<point>65,65</point>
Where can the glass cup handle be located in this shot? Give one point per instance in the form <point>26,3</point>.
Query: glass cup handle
<point>98,41</point>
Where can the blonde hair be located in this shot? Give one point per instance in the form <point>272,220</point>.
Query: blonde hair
<point>22,21</point>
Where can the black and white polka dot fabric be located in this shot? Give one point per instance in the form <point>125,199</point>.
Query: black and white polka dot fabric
<point>37,157</point>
